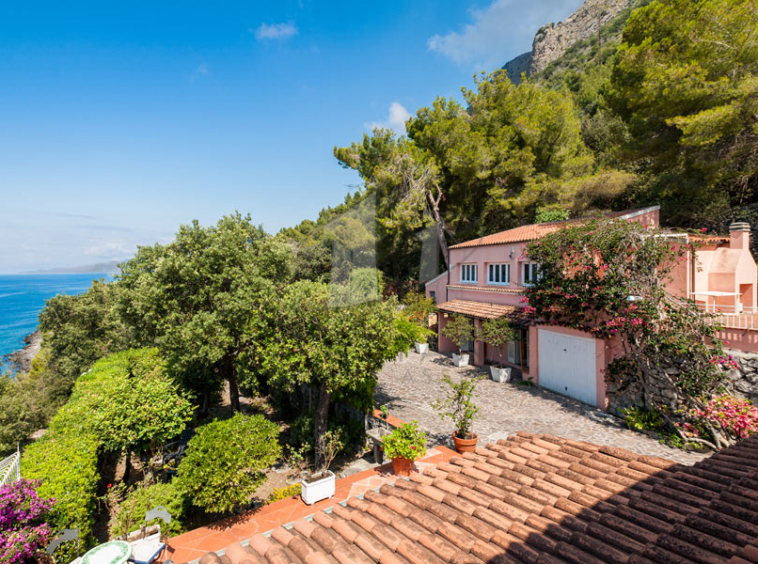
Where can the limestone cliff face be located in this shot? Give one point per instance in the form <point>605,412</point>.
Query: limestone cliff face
<point>552,40</point>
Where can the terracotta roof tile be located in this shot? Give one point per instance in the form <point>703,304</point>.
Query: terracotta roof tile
<point>481,310</point>
<point>518,234</point>
<point>538,499</point>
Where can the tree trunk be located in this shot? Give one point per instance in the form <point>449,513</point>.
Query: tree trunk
<point>441,228</point>
<point>322,414</point>
<point>234,387</point>
<point>127,467</point>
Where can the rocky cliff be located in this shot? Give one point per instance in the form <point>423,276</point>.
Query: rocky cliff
<point>552,40</point>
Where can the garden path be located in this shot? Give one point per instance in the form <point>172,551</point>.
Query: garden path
<point>409,387</point>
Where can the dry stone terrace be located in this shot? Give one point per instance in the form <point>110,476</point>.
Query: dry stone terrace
<point>409,388</point>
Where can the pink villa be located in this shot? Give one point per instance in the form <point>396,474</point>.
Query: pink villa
<point>488,276</point>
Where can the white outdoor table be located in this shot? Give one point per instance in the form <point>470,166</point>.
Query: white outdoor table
<point>113,552</point>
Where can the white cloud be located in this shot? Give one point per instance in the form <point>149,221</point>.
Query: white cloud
<point>201,71</point>
<point>275,31</point>
<point>395,121</point>
<point>500,31</point>
<point>110,250</point>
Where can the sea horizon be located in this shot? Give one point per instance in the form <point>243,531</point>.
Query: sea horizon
<point>22,297</point>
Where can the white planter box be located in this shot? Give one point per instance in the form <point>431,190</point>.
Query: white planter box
<point>460,360</point>
<point>422,348</point>
<point>500,374</point>
<point>318,490</point>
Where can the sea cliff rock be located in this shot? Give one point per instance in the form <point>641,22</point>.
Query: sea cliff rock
<point>552,40</point>
<point>22,359</point>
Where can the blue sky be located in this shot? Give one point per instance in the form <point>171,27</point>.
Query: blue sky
<point>120,121</point>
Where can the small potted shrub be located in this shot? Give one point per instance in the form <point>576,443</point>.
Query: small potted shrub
<point>320,484</point>
<point>457,405</point>
<point>409,334</point>
<point>418,308</point>
<point>460,330</point>
<point>405,445</point>
<point>496,333</point>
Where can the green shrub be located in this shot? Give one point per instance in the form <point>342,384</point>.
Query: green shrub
<point>65,459</point>
<point>226,460</point>
<point>67,465</point>
<point>407,442</point>
<point>302,432</point>
<point>284,493</point>
<point>408,333</point>
<point>643,419</point>
<point>131,511</point>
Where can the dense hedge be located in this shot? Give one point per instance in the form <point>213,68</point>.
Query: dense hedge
<point>65,459</point>
<point>131,511</point>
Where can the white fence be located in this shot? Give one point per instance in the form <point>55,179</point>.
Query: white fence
<point>10,469</point>
<point>732,317</point>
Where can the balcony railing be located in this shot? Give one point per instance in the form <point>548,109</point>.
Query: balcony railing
<point>733,317</point>
<point>10,469</point>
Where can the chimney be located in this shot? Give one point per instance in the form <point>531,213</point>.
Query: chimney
<point>739,235</point>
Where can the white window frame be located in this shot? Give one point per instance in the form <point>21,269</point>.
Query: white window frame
<point>493,268</point>
<point>535,273</point>
<point>465,272</point>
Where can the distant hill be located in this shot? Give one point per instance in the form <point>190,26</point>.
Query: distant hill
<point>553,40</point>
<point>110,267</point>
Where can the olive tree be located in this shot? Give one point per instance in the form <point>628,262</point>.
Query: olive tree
<point>199,298</point>
<point>318,337</point>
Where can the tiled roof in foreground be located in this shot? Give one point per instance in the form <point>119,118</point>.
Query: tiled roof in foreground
<point>480,310</point>
<point>536,500</point>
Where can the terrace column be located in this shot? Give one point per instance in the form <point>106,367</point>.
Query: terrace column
<point>478,345</point>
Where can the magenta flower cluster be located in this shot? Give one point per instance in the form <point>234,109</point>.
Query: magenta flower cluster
<point>725,360</point>
<point>23,530</point>
<point>736,416</point>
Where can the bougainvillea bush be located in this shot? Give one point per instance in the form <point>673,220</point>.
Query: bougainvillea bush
<point>609,278</point>
<point>24,531</point>
<point>736,417</point>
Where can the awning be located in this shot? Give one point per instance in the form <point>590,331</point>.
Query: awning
<point>482,310</point>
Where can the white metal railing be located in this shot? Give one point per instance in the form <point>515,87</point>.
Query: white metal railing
<point>733,317</point>
<point>10,469</point>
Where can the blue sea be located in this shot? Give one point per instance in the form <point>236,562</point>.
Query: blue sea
<point>23,296</point>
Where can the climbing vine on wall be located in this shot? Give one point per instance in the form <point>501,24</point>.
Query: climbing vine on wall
<point>609,278</point>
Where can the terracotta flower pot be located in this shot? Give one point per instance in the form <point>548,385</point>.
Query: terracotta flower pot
<point>465,445</point>
<point>402,466</point>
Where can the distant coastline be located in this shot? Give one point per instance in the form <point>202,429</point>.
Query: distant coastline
<point>110,268</point>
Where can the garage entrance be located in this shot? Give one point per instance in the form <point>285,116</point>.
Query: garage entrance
<point>567,365</point>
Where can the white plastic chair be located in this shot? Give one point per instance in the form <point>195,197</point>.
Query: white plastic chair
<point>148,548</point>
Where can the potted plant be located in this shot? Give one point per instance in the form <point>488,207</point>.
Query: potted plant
<point>496,333</point>
<point>320,484</point>
<point>460,330</point>
<point>418,308</point>
<point>408,334</point>
<point>458,406</point>
<point>404,445</point>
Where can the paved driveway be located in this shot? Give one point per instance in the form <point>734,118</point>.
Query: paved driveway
<point>409,387</point>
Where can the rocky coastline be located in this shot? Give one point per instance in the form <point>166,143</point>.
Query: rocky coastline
<point>22,359</point>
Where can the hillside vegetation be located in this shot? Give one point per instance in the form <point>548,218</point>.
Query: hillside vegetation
<point>659,107</point>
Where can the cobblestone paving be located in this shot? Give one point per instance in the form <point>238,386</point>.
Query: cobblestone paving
<point>409,387</point>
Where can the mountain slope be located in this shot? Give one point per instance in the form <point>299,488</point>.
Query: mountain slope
<point>553,40</point>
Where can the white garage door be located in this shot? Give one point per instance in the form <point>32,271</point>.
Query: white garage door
<point>567,365</point>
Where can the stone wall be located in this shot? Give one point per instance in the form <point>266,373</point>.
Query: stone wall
<point>742,382</point>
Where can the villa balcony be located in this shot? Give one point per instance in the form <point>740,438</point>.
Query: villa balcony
<point>733,317</point>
